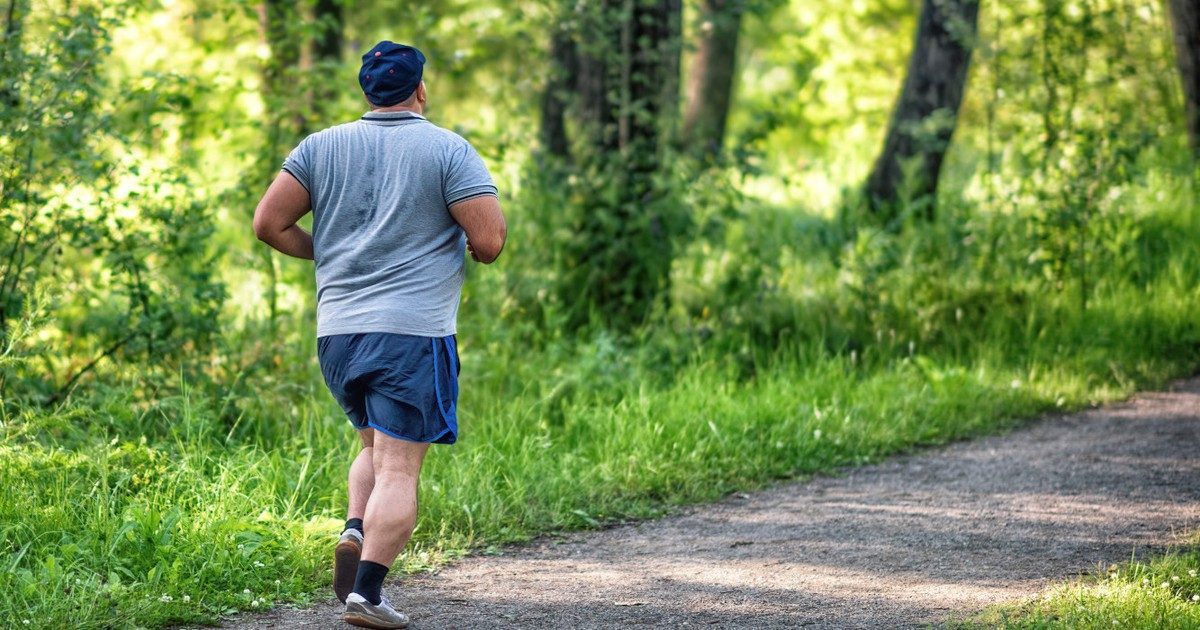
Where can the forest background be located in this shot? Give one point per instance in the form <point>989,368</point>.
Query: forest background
<point>749,240</point>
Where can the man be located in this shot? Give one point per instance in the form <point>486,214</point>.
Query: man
<point>393,197</point>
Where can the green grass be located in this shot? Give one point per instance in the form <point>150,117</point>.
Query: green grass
<point>1162,592</point>
<point>137,507</point>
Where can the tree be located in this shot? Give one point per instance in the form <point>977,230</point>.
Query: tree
<point>614,87</point>
<point>278,19</point>
<point>556,94</point>
<point>284,121</point>
<point>710,82</point>
<point>327,56</point>
<point>1185,19</point>
<point>328,42</point>
<point>10,47</point>
<point>926,113</point>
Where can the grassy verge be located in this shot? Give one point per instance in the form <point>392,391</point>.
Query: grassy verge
<point>1162,592</point>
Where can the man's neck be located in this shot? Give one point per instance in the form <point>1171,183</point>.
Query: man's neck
<point>416,109</point>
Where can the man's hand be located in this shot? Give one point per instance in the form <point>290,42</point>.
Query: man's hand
<point>276,216</point>
<point>481,218</point>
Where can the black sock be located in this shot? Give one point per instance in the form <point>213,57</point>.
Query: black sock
<point>369,582</point>
<point>354,523</point>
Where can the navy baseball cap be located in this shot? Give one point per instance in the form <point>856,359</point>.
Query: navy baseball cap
<point>390,73</point>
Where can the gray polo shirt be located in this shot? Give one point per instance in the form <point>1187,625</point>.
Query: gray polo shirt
<point>389,257</point>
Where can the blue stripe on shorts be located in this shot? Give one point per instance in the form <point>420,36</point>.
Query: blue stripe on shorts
<point>402,385</point>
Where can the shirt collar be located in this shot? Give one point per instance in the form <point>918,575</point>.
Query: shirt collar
<point>391,116</point>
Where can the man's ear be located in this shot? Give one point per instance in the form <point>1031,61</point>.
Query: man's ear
<point>421,91</point>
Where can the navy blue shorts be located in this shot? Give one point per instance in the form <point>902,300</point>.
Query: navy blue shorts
<point>401,385</point>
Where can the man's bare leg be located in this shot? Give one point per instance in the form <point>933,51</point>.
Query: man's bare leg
<point>391,511</point>
<point>362,476</point>
<point>359,483</point>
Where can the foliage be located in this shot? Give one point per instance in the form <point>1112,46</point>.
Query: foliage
<point>122,251</point>
<point>1161,592</point>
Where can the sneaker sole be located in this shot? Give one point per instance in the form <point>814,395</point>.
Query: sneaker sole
<point>345,568</point>
<point>363,622</point>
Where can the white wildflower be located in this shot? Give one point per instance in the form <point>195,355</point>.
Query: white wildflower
<point>1166,585</point>
<point>1192,572</point>
<point>1015,384</point>
<point>1174,578</point>
<point>187,598</point>
<point>259,564</point>
<point>245,591</point>
<point>166,598</point>
<point>254,604</point>
<point>1196,598</point>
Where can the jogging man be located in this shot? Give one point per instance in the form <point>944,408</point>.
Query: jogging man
<point>393,198</point>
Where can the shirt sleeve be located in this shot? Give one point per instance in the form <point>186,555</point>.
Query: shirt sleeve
<point>299,164</point>
<point>465,175</point>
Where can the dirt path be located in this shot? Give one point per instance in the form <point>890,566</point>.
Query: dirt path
<point>910,542</point>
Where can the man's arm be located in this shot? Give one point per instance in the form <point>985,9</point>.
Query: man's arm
<point>480,217</point>
<point>276,216</point>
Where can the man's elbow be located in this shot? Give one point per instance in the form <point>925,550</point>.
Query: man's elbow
<point>263,229</point>
<point>488,250</point>
<point>486,253</point>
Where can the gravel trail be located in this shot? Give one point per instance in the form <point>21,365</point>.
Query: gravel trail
<point>911,542</point>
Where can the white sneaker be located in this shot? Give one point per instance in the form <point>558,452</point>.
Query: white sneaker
<point>364,614</point>
<point>345,562</point>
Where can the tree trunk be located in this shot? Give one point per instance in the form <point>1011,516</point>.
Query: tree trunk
<point>327,46</point>
<point>14,26</point>
<point>626,72</point>
<point>1185,19</point>
<point>284,119</point>
<point>670,50</point>
<point>556,95</point>
<point>626,64</point>
<point>277,18</point>
<point>327,57</point>
<point>710,84</point>
<point>599,79</point>
<point>927,110</point>
<point>648,46</point>
<point>639,263</point>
